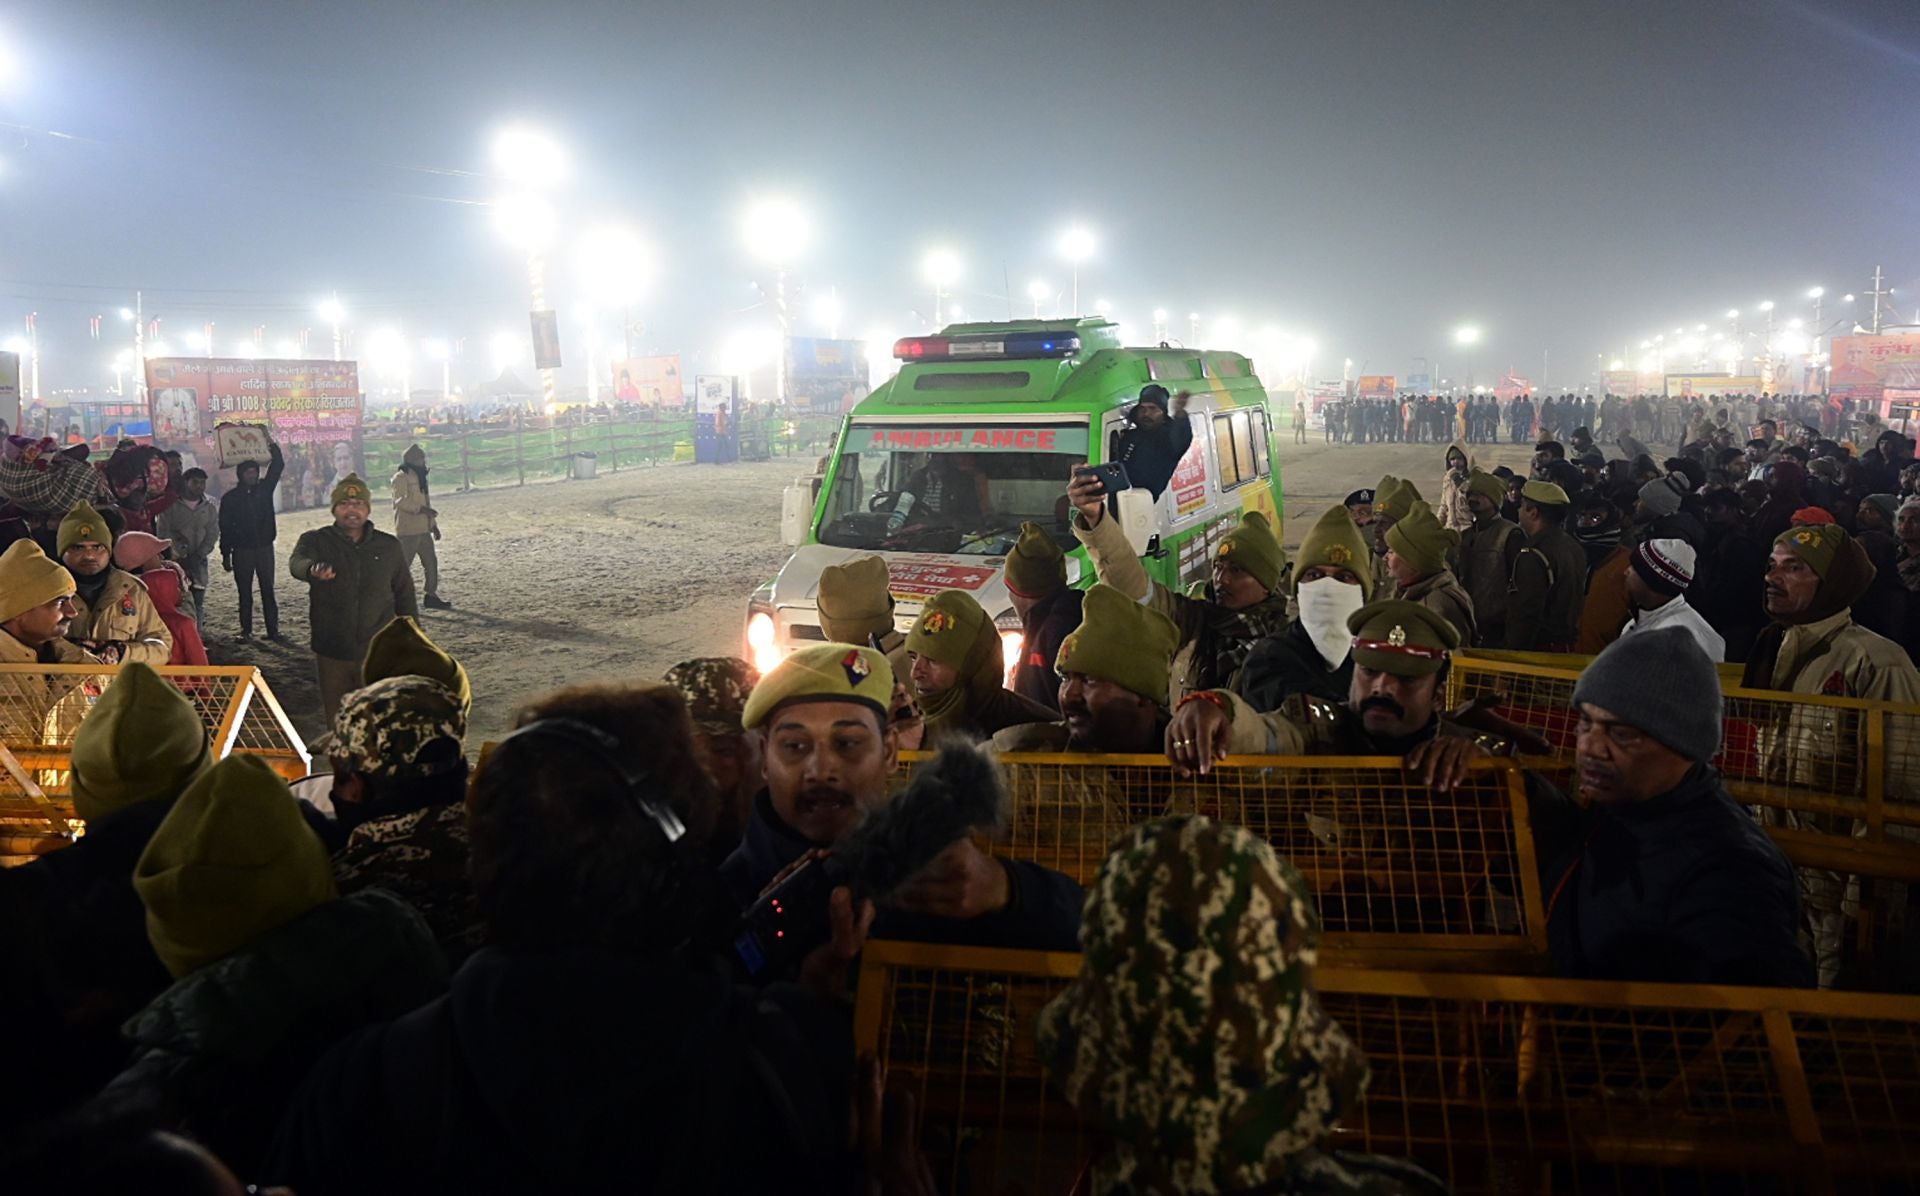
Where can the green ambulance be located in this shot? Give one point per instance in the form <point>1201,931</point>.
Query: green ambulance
<point>1005,411</point>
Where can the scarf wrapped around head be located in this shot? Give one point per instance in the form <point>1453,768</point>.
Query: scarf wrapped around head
<point>1845,573</point>
<point>954,630</point>
<point>1192,1035</point>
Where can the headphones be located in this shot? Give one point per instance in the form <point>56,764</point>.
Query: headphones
<point>606,749</point>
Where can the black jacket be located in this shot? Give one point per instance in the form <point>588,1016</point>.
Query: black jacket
<point>1286,664</point>
<point>1683,888</point>
<point>246,512</point>
<point>1151,454</point>
<point>1044,627</point>
<point>226,1047</point>
<point>78,964</point>
<point>580,1070</point>
<point>1042,915</point>
<point>371,585</point>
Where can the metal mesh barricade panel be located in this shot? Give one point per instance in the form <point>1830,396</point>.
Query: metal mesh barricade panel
<point>1497,1083</point>
<point>1396,868</point>
<point>42,706</point>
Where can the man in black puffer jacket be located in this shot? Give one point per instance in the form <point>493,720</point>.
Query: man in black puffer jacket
<point>1663,876</point>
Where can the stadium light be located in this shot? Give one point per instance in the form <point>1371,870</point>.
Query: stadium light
<point>616,266</point>
<point>527,222</point>
<point>1076,245</point>
<point>777,231</point>
<point>1037,291</point>
<point>528,157</point>
<point>942,268</point>
<point>335,314</point>
<point>827,310</point>
<point>1467,334</point>
<point>1816,292</point>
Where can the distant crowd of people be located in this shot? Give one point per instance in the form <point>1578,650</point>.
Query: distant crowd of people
<point>1524,419</point>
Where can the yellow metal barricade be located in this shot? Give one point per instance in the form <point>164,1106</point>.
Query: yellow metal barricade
<point>41,706</point>
<point>1404,876</point>
<point>1497,1083</point>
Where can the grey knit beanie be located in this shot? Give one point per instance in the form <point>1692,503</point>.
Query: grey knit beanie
<point>1662,494</point>
<point>1662,683</point>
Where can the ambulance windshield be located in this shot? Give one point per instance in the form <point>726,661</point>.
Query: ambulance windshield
<point>953,488</point>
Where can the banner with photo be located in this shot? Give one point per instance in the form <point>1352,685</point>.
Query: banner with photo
<point>650,381</point>
<point>1375,386</point>
<point>716,419</point>
<point>826,375</point>
<point>1687,386</point>
<point>1865,368</point>
<point>313,409</point>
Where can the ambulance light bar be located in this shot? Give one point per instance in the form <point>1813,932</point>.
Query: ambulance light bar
<point>986,346</point>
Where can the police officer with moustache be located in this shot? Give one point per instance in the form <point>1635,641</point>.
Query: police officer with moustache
<point>1401,652</point>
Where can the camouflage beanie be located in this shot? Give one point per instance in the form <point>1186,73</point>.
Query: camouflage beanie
<point>1335,541</point>
<point>1192,1036</point>
<point>1036,568</point>
<point>715,689</point>
<point>402,649</point>
<point>398,727</point>
<point>1252,547</point>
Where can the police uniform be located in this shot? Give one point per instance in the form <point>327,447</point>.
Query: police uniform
<point>1548,585</point>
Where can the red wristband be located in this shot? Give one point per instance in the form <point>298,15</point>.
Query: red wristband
<point>1204,695</point>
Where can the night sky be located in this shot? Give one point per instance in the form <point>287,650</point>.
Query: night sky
<point>1569,177</point>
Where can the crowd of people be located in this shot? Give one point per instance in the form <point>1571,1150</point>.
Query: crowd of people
<point>1524,419</point>
<point>531,974</point>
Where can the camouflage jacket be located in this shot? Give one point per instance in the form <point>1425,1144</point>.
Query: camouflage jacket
<point>421,855</point>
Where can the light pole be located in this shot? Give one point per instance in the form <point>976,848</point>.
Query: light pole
<point>942,268</point>
<point>1036,291</point>
<point>1077,245</point>
<point>334,314</point>
<point>777,232</point>
<point>528,223</point>
<point>1466,337</point>
<point>1193,329</point>
<point>533,162</point>
<point>1766,346</point>
<point>616,268</point>
<point>827,310</point>
<point>1159,325</point>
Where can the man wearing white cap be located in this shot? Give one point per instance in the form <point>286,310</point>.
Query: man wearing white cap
<point>1656,583</point>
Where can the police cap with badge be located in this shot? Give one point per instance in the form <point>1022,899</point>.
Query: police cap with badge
<point>1400,637</point>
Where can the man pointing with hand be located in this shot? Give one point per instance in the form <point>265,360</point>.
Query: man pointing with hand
<point>357,580</point>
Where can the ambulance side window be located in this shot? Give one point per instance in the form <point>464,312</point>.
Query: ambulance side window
<point>1261,464</point>
<point>1233,448</point>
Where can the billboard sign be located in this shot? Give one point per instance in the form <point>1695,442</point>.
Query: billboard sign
<point>716,419</point>
<point>546,340</point>
<point>649,381</point>
<point>1687,386</point>
<point>1375,386</point>
<point>1865,367</point>
<point>313,409</point>
<point>10,391</point>
<point>827,375</point>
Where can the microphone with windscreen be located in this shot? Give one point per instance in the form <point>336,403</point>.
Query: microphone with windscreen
<point>957,792</point>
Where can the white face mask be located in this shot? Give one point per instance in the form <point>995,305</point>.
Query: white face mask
<point>1324,605</point>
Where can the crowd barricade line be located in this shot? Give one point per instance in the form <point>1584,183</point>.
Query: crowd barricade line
<point>41,706</point>
<point>1496,1083</point>
<point>1403,876</point>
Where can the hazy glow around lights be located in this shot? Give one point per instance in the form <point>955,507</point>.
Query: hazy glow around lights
<point>528,157</point>
<point>942,267</point>
<point>777,231</point>
<point>1077,244</point>
<point>526,221</point>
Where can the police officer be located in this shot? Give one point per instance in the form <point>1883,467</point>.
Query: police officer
<point>1549,581</point>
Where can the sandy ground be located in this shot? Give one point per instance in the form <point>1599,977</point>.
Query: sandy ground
<point>619,578</point>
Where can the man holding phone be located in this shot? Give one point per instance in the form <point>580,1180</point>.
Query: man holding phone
<point>1152,447</point>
